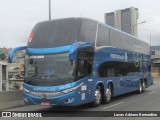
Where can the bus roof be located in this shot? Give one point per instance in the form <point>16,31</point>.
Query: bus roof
<point>66,31</point>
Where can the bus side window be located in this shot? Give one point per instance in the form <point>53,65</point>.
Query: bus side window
<point>128,69</point>
<point>84,67</point>
<point>149,68</point>
<point>115,69</point>
<point>84,63</point>
<point>107,69</point>
<point>110,72</point>
<point>87,66</point>
<point>102,71</point>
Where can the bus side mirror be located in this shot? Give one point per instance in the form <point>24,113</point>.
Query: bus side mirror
<point>11,53</point>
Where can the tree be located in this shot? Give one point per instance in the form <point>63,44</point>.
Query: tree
<point>2,56</point>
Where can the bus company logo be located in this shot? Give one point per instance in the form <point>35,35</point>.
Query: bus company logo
<point>116,56</point>
<point>64,87</point>
<point>44,89</point>
<point>136,59</point>
<point>44,95</point>
<point>136,54</point>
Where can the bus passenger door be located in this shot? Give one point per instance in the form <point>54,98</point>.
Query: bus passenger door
<point>84,64</point>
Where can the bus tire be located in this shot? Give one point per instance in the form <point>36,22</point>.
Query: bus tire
<point>107,95</point>
<point>97,97</point>
<point>143,86</point>
<point>140,88</point>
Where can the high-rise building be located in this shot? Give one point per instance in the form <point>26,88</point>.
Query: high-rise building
<point>125,20</point>
<point>110,19</point>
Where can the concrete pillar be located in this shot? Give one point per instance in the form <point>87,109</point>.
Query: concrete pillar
<point>7,81</point>
<point>1,78</point>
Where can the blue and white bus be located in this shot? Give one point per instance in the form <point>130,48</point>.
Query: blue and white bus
<point>74,61</point>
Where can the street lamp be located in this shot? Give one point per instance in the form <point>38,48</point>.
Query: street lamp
<point>137,24</point>
<point>49,9</point>
<point>150,37</point>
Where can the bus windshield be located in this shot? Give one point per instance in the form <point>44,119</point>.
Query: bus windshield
<point>52,69</point>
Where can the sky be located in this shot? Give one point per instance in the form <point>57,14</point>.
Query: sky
<point>18,17</point>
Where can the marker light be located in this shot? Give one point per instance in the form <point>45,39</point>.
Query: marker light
<point>30,37</point>
<point>26,90</point>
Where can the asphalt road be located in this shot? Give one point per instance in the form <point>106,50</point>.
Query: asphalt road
<point>147,101</point>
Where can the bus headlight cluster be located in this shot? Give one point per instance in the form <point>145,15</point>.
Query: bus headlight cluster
<point>72,89</point>
<point>26,90</point>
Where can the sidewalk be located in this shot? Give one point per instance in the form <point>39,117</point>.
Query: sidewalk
<point>156,80</point>
<point>11,104</point>
<point>11,99</point>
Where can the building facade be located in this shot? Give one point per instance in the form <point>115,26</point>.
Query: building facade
<point>11,75</point>
<point>4,83</point>
<point>155,60</point>
<point>125,20</point>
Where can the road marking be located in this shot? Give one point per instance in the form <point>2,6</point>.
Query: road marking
<point>113,105</point>
<point>152,92</point>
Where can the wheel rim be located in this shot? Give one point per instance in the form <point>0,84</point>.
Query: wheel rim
<point>108,94</point>
<point>97,96</point>
<point>140,87</point>
<point>144,86</point>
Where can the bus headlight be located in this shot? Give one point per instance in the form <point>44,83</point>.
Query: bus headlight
<point>72,89</point>
<point>26,90</point>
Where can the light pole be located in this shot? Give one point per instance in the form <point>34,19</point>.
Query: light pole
<point>150,38</point>
<point>138,24</point>
<point>49,9</point>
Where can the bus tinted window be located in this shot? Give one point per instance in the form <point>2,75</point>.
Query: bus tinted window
<point>88,31</point>
<point>84,62</point>
<point>115,69</point>
<point>56,33</point>
<point>103,36</point>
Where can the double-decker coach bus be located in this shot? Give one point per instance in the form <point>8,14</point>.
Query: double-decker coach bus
<point>74,61</point>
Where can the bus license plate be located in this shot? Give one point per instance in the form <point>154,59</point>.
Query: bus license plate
<point>46,103</point>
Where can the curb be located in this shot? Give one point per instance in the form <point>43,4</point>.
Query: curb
<point>10,105</point>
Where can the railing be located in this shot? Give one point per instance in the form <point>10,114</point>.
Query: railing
<point>12,84</point>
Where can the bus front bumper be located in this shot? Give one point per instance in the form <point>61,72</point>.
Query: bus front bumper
<point>68,99</point>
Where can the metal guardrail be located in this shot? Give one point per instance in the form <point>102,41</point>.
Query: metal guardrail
<point>18,80</point>
<point>12,84</point>
<point>13,80</point>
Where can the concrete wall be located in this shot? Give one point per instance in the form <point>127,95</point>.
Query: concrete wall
<point>3,74</point>
<point>8,96</point>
